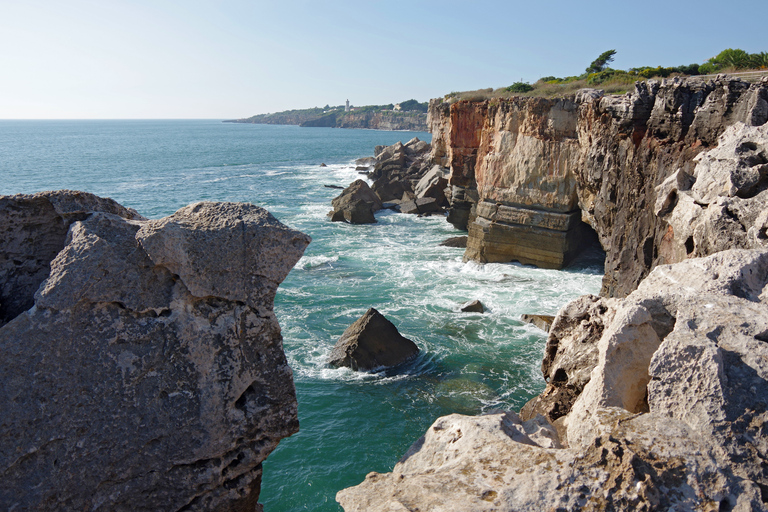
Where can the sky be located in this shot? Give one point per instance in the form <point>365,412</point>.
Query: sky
<point>195,59</point>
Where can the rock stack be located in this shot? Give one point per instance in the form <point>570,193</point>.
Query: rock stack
<point>142,364</point>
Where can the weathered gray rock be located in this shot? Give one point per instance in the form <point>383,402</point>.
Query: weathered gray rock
<point>370,343</point>
<point>33,230</point>
<point>570,355</point>
<point>672,416</point>
<point>420,206</point>
<point>474,306</point>
<point>356,204</point>
<point>388,189</point>
<point>433,184</point>
<point>149,374</point>
<point>723,204</point>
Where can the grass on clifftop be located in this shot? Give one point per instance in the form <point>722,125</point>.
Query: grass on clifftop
<point>616,81</point>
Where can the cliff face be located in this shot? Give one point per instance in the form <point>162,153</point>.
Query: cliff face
<point>524,169</point>
<point>142,364</point>
<point>408,121</point>
<point>373,120</point>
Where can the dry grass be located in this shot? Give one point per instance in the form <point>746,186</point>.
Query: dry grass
<point>619,85</point>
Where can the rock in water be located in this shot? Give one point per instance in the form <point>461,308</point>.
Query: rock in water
<point>149,374</point>
<point>474,306</point>
<point>356,204</point>
<point>372,342</point>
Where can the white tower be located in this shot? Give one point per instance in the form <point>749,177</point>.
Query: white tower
<point>346,109</point>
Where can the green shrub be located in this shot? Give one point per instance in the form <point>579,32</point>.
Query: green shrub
<point>520,87</point>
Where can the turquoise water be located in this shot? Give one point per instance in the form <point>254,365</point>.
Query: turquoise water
<point>351,423</point>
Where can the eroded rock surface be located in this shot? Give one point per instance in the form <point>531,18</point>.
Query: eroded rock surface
<point>672,411</point>
<point>149,374</point>
<point>525,173</point>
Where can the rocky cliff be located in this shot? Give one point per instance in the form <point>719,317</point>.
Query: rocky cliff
<point>656,392</point>
<point>673,417</point>
<point>389,120</point>
<point>367,119</point>
<point>525,171</point>
<point>142,364</point>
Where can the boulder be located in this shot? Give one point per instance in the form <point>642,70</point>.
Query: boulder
<point>372,342</point>
<point>433,184</point>
<point>356,204</point>
<point>420,206</point>
<point>543,322</point>
<point>389,189</point>
<point>474,306</point>
<point>455,241</point>
<point>149,373</point>
<point>671,414</point>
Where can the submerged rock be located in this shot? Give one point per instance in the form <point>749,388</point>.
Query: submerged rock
<point>672,410</point>
<point>372,342</point>
<point>149,373</point>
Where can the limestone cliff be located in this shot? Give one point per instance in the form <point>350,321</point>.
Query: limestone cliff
<point>673,416</point>
<point>525,170</point>
<point>142,364</point>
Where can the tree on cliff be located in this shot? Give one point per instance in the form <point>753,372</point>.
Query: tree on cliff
<point>601,62</point>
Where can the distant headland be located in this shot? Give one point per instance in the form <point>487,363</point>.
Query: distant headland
<point>408,115</point>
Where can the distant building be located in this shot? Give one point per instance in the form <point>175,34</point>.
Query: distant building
<point>346,109</point>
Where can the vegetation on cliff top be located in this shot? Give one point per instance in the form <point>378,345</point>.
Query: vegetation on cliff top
<point>617,81</point>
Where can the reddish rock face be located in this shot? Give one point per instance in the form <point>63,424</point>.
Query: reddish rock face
<point>598,156</point>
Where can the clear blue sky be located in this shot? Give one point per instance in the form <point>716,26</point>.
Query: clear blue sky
<point>62,59</point>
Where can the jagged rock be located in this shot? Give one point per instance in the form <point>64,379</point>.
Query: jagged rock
<point>323,165</point>
<point>455,241</point>
<point>673,414</point>
<point>433,184</point>
<point>723,204</point>
<point>149,375</point>
<point>33,230</point>
<point>398,166</point>
<point>370,343</point>
<point>356,204</point>
<point>474,306</point>
<point>570,355</point>
<point>543,322</point>
<point>389,189</point>
<point>419,206</point>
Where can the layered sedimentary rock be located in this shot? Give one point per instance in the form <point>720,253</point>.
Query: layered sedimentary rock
<point>671,412</point>
<point>525,171</point>
<point>148,373</point>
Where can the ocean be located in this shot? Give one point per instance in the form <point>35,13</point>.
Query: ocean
<point>351,423</point>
